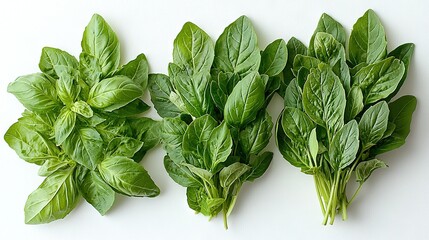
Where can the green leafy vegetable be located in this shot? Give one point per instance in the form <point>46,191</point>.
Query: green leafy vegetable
<point>338,116</point>
<point>80,127</point>
<point>215,123</point>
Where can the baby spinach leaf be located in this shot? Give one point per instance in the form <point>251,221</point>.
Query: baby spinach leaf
<point>193,49</point>
<point>344,147</point>
<point>137,70</point>
<point>365,169</point>
<point>35,91</point>
<point>160,89</point>
<point>98,193</point>
<point>274,58</point>
<point>245,100</point>
<point>113,93</point>
<point>127,177</point>
<point>373,124</point>
<point>368,40</point>
<point>53,199</point>
<point>101,42</point>
<point>237,49</point>
<point>85,146</point>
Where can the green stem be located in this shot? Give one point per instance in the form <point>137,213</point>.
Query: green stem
<point>225,220</point>
<point>331,198</point>
<point>335,200</point>
<point>344,207</point>
<point>322,206</point>
<point>355,194</point>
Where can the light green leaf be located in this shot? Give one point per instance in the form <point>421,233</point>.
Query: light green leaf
<point>82,108</point>
<point>160,89</point>
<point>137,70</point>
<point>123,146</point>
<point>313,144</point>
<point>229,175</point>
<point>64,125</point>
<point>97,192</point>
<point>90,70</point>
<point>180,173</point>
<point>365,169</point>
<point>327,49</point>
<point>52,58</point>
<point>219,146</point>
<point>173,130</point>
<point>293,95</point>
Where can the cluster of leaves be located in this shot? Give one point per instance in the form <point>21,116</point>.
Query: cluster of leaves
<point>214,107</point>
<point>338,113</point>
<point>80,126</point>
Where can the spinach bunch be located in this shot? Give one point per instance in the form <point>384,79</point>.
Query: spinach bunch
<point>80,126</point>
<point>214,107</point>
<point>338,114</point>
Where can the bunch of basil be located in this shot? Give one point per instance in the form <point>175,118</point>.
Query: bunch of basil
<point>338,113</point>
<point>80,126</point>
<point>214,107</point>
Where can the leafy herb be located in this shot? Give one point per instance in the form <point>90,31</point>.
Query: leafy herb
<point>338,115</point>
<point>213,102</point>
<point>80,126</point>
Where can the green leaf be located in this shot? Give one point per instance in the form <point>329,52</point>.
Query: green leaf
<point>246,99</point>
<point>89,69</point>
<point>137,70</point>
<point>327,49</point>
<point>53,165</point>
<point>313,144</point>
<point>221,87</point>
<point>403,53</point>
<point>30,145</point>
<point>53,58</point>
<point>85,146</point>
<point>35,91</point>
<point>293,95</point>
<point>173,130</point>
<point>127,177</point>
<point>367,40</point>
<point>229,175</point>
<point>54,199</point>
<point>123,146</point>
<point>43,122</point>
<point>297,125</point>
<point>294,47</point>
<point>180,173</point>
<point>203,174</point>
<point>380,79</point>
<point>113,93</point>
<point>324,99</point>
<point>82,108</point>
<point>354,103</point>
<point>147,131</point>
<point>273,58</point>
<point>115,127</point>
<point>401,112</point>
<point>195,138</point>
<point>219,146</point>
<point>259,164</point>
<point>373,124</point>
<point>101,42</point>
<point>344,146</point>
<point>195,196</point>
<point>192,89</point>
<point>305,61</point>
<point>193,49</point>
<point>67,89</point>
<point>133,108</point>
<point>329,25</point>
<point>64,125</point>
<point>365,169</point>
<point>160,89</point>
<point>211,206</point>
<point>98,193</point>
<point>237,49</point>
<point>256,135</point>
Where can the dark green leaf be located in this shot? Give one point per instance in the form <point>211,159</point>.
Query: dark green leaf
<point>123,146</point>
<point>160,89</point>
<point>259,164</point>
<point>273,58</point>
<point>219,146</point>
<point>137,70</point>
<point>256,135</point>
<point>373,124</point>
<point>344,146</point>
<point>403,53</point>
<point>180,173</point>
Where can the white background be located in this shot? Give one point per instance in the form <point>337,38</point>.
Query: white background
<point>394,204</point>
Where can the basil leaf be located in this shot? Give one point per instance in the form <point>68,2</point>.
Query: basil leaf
<point>90,70</point>
<point>82,108</point>
<point>344,146</point>
<point>123,146</point>
<point>180,174</point>
<point>367,40</point>
<point>237,49</point>
<point>246,99</point>
<point>328,25</point>
<point>85,146</point>
<point>137,70</point>
<point>297,125</point>
<point>294,47</point>
<point>98,193</point>
<point>203,174</point>
<point>113,93</point>
<point>403,53</point>
<point>133,108</point>
<point>53,199</point>
<point>219,146</point>
<point>160,89</point>
<point>193,49</point>
<point>273,58</point>
<point>101,42</point>
<point>293,95</point>
<point>327,49</point>
<point>305,61</point>
<point>354,103</point>
<point>255,136</point>
<point>259,164</point>
<point>64,125</point>
<point>231,174</point>
<point>365,169</point>
<point>67,90</point>
<point>324,99</point>
<point>52,58</point>
<point>172,134</point>
<point>43,122</point>
<point>127,177</point>
<point>53,165</point>
<point>221,87</point>
<point>373,124</point>
<point>30,145</point>
<point>35,91</point>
